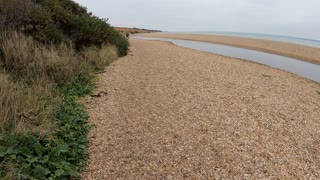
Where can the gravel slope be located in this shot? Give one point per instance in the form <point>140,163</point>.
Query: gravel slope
<point>306,53</point>
<point>168,112</point>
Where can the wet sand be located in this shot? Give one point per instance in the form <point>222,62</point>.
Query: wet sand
<point>306,53</point>
<point>167,112</point>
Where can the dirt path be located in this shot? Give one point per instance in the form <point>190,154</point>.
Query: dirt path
<point>172,113</point>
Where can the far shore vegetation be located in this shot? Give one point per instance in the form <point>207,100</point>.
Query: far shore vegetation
<point>124,30</point>
<point>50,51</point>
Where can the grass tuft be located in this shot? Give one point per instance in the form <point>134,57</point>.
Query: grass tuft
<point>266,75</point>
<point>34,62</point>
<point>25,108</point>
<point>99,58</point>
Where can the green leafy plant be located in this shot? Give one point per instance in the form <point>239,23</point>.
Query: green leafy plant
<point>81,86</point>
<point>50,158</point>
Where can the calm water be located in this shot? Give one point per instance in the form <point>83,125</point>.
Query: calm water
<point>295,40</point>
<point>304,69</point>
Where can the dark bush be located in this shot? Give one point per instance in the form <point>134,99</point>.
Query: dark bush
<point>53,21</point>
<point>12,13</point>
<point>39,23</point>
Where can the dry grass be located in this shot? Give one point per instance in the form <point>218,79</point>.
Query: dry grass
<point>30,60</point>
<point>27,103</point>
<point>25,108</point>
<point>102,57</point>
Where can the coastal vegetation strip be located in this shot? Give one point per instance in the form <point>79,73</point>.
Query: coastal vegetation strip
<point>306,53</point>
<point>124,30</point>
<point>50,51</point>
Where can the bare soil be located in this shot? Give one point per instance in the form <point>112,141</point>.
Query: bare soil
<point>167,112</point>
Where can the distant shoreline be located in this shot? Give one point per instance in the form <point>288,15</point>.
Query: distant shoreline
<point>297,51</point>
<point>283,38</point>
<point>124,30</point>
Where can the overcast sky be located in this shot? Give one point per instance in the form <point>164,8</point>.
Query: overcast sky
<point>299,18</point>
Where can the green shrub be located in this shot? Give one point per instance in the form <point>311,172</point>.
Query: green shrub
<point>80,86</point>
<point>39,23</point>
<point>55,21</point>
<point>13,13</point>
<point>58,21</point>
